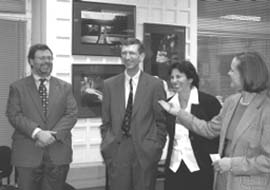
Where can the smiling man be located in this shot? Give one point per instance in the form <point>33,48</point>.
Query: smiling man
<point>133,124</point>
<point>42,111</point>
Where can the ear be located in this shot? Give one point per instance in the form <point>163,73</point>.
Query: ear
<point>142,55</point>
<point>31,63</point>
<point>190,81</point>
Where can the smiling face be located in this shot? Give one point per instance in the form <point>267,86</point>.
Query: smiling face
<point>42,63</point>
<point>131,57</point>
<point>179,81</point>
<point>236,79</point>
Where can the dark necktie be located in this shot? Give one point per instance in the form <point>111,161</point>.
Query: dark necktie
<point>43,96</point>
<point>128,113</point>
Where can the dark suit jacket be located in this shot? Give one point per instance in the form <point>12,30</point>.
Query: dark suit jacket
<point>207,108</point>
<point>24,111</point>
<point>148,124</point>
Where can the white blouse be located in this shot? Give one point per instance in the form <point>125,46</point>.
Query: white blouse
<point>182,149</point>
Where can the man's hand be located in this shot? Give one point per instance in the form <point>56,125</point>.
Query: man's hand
<point>45,138</point>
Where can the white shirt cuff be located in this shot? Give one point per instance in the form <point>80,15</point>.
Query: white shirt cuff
<point>35,132</point>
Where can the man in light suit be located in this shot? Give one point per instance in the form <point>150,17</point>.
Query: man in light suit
<point>132,147</point>
<point>41,147</point>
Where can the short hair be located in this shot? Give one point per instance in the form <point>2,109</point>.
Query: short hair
<point>188,69</point>
<point>34,48</point>
<point>253,71</point>
<point>133,41</point>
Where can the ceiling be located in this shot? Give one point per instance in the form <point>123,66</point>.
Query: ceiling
<point>216,8</point>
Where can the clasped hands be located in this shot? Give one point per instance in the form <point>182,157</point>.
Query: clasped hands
<point>45,138</point>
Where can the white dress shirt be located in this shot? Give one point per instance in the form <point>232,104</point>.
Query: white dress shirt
<point>135,81</point>
<point>182,149</point>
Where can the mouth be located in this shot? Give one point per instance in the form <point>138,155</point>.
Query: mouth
<point>45,66</point>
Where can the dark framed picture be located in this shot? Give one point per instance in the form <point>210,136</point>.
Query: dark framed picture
<point>87,82</point>
<point>99,28</point>
<point>164,44</point>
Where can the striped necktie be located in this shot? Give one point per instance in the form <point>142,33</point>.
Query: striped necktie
<point>128,113</point>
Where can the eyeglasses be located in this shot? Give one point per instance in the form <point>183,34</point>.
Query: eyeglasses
<point>43,58</point>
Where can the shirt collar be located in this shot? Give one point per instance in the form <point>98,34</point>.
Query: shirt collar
<point>194,96</point>
<point>134,78</point>
<point>36,77</point>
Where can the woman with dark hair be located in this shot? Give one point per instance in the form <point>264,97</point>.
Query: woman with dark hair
<point>243,125</point>
<point>188,165</point>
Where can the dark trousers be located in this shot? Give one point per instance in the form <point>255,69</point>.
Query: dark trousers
<point>47,176</point>
<point>125,171</point>
<point>183,179</point>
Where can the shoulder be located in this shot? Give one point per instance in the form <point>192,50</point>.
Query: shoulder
<point>208,100</point>
<point>205,96</point>
<point>114,79</point>
<point>151,79</point>
<point>60,82</point>
<point>21,82</point>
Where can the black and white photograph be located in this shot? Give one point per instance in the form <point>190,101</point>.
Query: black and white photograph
<point>99,28</point>
<point>88,86</point>
<point>135,95</point>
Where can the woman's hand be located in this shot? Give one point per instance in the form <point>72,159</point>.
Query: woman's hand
<point>223,165</point>
<point>168,107</point>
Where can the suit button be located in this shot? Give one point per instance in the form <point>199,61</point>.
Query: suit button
<point>191,138</point>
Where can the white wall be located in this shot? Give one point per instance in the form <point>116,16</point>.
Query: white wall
<point>58,35</point>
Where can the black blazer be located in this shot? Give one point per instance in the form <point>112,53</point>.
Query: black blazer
<point>207,108</point>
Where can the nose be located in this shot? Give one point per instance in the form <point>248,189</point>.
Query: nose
<point>127,55</point>
<point>173,80</point>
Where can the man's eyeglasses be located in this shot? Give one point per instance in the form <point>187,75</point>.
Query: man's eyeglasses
<point>43,58</point>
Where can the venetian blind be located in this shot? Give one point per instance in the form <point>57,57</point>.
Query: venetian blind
<point>227,27</point>
<point>12,56</point>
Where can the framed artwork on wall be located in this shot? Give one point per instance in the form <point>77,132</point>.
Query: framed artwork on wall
<point>164,44</point>
<point>99,28</point>
<point>87,82</point>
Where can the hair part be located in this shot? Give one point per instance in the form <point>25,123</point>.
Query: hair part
<point>253,71</point>
<point>134,41</point>
<point>188,69</point>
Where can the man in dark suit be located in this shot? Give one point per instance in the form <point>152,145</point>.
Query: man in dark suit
<point>42,110</point>
<point>133,124</point>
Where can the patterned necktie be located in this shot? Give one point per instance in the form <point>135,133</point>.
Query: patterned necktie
<point>43,96</point>
<point>128,113</point>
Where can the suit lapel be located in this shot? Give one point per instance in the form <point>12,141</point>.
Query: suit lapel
<point>54,93</point>
<point>142,86</point>
<point>248,116</point>
<point>226,121</point>
<point>120,90</point>
<point>35,95</point>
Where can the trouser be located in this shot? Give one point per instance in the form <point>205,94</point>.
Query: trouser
<point>47,176</point>
<point>125,171</point>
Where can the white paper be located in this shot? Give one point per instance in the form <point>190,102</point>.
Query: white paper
<point>214,157</point>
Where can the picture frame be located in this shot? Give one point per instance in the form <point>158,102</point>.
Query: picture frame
<point>87,83</point>
<point>99,28</point>
<point>164,44</point>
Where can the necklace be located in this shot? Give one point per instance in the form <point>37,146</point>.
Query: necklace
<point>244,103</point>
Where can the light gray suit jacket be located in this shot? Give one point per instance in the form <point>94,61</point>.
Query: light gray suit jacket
<point>250,144</point>
<point>24,111</point>
<point>148,124</point>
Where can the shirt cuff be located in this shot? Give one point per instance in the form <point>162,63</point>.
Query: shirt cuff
<point>35,132</point>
